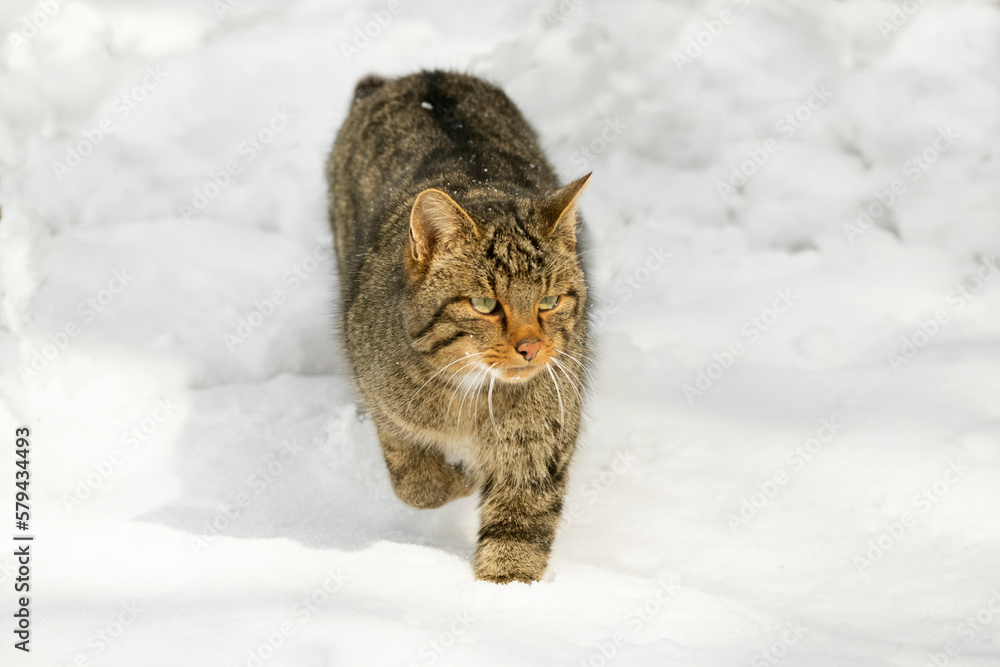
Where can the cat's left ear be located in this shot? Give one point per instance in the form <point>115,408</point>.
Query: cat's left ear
<point>436,221</point>
<point>559,211</point>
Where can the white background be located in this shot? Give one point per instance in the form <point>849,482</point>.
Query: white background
<point>150,424</point>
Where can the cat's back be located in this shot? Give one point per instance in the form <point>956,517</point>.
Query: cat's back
<point>437,129</point>
<point>429,124</point>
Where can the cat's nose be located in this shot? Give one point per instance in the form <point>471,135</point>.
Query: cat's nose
<point>528,348</point>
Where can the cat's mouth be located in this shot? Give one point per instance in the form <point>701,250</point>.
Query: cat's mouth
<point>518,372</point>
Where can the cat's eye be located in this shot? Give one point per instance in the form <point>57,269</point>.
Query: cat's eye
<point>548,303</point>
<point>484,305</point>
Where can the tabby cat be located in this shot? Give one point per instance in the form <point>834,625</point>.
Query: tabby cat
<point>463,303</point>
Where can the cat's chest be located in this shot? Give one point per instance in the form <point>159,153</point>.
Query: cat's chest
<point>460,450</point>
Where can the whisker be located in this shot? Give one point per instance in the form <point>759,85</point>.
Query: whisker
<point>479,387</point>
<point>565,353</point>
<point>562,412</point>
<point>573,381</point>
<point>475,383</point>
<point>471,363</point>
<point>583,367</point>
<point>442,370</point>
<point>489,402</point>
<point>452,376</point>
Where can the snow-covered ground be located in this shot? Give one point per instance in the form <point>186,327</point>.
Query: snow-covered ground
<point>793,451</point>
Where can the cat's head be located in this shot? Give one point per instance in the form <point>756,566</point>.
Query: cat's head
<point>495,288</point>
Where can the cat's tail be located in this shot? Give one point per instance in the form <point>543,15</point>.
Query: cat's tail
<point>367,86</point>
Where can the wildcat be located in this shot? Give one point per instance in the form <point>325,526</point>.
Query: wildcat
<point>463,304</point>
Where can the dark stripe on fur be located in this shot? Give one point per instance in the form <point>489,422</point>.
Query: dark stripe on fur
<point>445,342</point>
<point>445,114</point>
<point>512,532</point>
<point>432,322</point>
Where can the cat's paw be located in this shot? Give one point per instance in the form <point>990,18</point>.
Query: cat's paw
<point>463,484</point>
<point>432,484</point>
<point>504,561</point>
<point>423,496</point>
<point>506,578</point>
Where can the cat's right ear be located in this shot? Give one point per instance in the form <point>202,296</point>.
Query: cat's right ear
<point>559,209</point>
<point>435,219</point>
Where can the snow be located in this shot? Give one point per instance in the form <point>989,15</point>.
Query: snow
<point>792,448</point>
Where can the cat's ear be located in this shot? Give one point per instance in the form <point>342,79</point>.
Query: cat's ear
<point>559,211</point>
<point>435,219</point>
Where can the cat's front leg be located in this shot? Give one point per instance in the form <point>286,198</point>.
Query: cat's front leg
<point>421,477</point>
<point>518,521</point>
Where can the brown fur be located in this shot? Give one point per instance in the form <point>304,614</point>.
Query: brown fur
<point>439,193</point>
